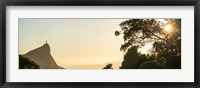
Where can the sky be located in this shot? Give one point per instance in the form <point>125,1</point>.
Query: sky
<point>74,43</point>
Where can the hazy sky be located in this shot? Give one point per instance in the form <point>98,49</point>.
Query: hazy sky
<point>74,42</point>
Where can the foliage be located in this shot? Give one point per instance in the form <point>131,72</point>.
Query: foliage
<point>166,51</point>
<point>108,66</point>
<point>26,63</point>
<point>131,59</point>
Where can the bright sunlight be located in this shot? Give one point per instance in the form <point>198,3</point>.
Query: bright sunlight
<point>145,49</point>
<point>168,27</point>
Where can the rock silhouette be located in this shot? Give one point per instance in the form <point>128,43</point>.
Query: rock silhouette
<point>42,56</point>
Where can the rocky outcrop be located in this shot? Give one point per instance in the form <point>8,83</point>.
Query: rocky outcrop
<point>42,56</point>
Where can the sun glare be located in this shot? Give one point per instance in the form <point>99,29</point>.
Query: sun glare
<point>162,20</point>
<point>168,27</point>
<point>145,49</point>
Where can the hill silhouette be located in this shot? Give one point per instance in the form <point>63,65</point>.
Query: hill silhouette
<point>42,56</point>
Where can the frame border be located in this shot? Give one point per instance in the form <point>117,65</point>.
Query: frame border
<point>4,3</point>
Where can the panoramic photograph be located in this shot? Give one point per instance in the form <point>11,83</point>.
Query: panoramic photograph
<point>99,43</point>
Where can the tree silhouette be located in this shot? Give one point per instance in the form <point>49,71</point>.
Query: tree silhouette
<point>131,59</point>
<point>26,63</point>
<point>108,66</point>
<point>166,51</point>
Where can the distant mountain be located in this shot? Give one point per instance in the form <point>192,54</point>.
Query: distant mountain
<point>42,56</point>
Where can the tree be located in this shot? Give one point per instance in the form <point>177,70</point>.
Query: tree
<point>165,36</point>
<point>26,63</point>
<point>108,66</point>
<point>131,59</point>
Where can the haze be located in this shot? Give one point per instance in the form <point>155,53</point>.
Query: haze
<point>82,43</point>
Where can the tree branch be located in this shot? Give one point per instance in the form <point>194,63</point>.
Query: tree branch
<point>156,35</point>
